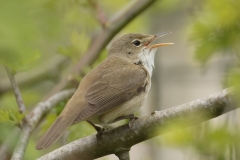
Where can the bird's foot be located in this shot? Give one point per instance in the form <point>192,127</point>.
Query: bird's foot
<point>99,130</point>
<point>132,119</point>
<point>99,135</point>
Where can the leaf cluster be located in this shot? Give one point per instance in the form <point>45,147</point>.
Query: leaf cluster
<point>216,29</point>
<point>10,115</point>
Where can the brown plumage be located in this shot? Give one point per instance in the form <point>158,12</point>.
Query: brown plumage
<point>116,88</point>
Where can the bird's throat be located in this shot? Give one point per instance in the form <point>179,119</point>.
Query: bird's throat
<point>146,56</point>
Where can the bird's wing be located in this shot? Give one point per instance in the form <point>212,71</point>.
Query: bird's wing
<point>114,88</point>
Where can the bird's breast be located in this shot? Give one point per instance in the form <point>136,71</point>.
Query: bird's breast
<point>126,108</point>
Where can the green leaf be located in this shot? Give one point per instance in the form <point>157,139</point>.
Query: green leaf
<point>10,115</point>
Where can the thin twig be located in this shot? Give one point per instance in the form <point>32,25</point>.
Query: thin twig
<point>99,13</point>
<point>103,37</point>
<point>38,74</point>
<point>34,117</point>
<point>16,90</point>
<point>144,128</point>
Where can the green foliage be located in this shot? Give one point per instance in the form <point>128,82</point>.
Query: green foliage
<point>205,140</point>
<point>24,28</point>
<point>78,46</point>
<point>216,29</point>
<point>10,115</point>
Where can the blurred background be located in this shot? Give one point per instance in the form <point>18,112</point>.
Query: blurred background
<point>42,40</point>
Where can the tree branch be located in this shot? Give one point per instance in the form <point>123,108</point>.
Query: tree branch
<point>16,90</point>
<point>38,74</point>
<point>123,154</point>
<point>32,119</point>
<point>99,14</point>
<point>102,38</point>
<point>144,128</point>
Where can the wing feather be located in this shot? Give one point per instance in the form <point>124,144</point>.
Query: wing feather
<point>113,89</point>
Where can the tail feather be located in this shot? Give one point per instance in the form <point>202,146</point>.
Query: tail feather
<point>54,132</point>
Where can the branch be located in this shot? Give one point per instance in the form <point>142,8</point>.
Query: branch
<point>99,14</point>
<point>32,119</point>
<point>16,90</point>
<point>38,74</point>
<point>122,138</point>
<point>103,37</point>
<point>123,154</point>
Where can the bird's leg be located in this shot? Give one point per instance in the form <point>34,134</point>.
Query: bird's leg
<point>99,130</point>
<point>130,117</point>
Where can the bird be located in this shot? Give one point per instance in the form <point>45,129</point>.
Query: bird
<point>112,91</point>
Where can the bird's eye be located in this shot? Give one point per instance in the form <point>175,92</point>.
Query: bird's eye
<point>136,43</point>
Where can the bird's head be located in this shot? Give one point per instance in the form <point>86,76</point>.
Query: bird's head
<point>136,48</point>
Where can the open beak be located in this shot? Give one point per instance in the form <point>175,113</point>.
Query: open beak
<point>160,44</point>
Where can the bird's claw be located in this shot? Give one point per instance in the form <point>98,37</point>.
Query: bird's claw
<point>132,119</point>
<point>99,134</point>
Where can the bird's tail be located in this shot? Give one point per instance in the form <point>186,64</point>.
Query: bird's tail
<point>54,132</point>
